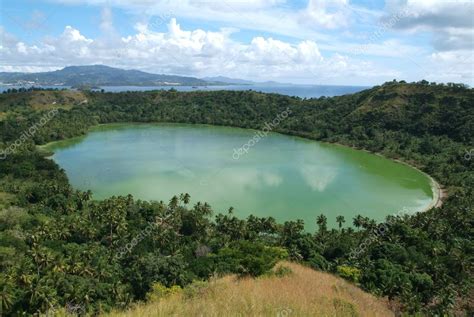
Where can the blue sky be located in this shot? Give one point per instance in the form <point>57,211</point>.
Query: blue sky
<point>362,42</point>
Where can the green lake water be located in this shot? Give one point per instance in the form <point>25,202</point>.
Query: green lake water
<point>281,176</point>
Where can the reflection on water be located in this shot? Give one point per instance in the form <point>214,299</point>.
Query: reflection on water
<point>318,177</point>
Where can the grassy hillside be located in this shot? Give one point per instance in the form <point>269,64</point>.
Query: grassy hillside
<point>304,292</point>
<point>41,100</point>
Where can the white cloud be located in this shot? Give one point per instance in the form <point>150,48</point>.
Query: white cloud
<point>450,26</point>
<point>71,35</point>
<point>275,52</point>
<point>275,16</point>
<point>318,177</point>
<point>318,57</point>
<point>21,48</point>
<point>451,22</point>
<point>327,13</point>
<point>454,66</point>
<point>189,52</point>
<point>106,24</point>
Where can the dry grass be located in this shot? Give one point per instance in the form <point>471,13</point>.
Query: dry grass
<point>45,100</point>
<point>304,293</point>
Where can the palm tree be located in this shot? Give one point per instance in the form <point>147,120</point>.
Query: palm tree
<point>83,198</point>
<point>360,221</point>
<point>322,222</point>
<point>173,202</point>
<point>6,294</point>
<point>357,221</point>
<point>340,220</point>
<point>186,198</point>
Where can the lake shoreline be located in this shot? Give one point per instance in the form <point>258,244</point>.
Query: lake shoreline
<point>439,194</point>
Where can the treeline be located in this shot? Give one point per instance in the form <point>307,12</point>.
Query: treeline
<point>28,89</point>
<point>58,247</point>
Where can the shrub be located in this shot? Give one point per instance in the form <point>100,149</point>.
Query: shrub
<point>349,273</point>
<point>318,262</point>
<point>195,288</point>
<point>249,258</point>
<point>159,291</point>
<point>282,271</point>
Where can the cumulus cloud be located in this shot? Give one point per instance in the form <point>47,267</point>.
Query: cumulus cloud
<point>187,52</point>
<point>327,13</point>
<point>275,16</point>
<point>450,22</point>
<point>450,25</point>
<point>323,47</point>
<point>457,64</point>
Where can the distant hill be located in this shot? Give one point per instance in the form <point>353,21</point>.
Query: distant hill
<point>93,76</point>
<point>99,75</point>
<point>304,292</point>
<point>228,80</point>
<point>237,81</point>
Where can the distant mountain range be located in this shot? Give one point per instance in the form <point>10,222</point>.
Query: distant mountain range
<point>100,75</point>
<point>227,80</point>
<point>236,81</point>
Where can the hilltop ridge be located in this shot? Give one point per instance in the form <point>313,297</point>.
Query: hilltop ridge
<point>302,292</point>
<point>99,75</point>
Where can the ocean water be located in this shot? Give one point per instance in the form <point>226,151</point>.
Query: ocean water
<point>302,91</point>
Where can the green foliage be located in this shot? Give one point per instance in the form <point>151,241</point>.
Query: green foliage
<point>248,258</point>
<point>159,291</point>
<point>282,271</point>
<point>352,274</point>
<point>59,248</point>
<point>195,289</point>
<point>318,262</point>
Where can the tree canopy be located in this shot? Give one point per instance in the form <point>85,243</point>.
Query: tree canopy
<point>59,248</point>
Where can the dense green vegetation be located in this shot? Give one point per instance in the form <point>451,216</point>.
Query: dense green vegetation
<point>60,248</point>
